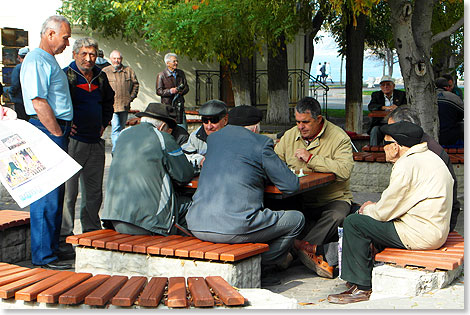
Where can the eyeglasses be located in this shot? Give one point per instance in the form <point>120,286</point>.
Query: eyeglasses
<point>213,119</point>
<point>388,142</point>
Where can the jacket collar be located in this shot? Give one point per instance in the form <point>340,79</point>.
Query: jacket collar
<point>316,141</point>
<point>201,134</point>
<point>96,70</point>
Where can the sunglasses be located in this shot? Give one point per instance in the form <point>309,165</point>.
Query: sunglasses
<point>214,119</point>
<point>388,142</point>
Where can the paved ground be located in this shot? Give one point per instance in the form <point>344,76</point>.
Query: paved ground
<point>311,291</point>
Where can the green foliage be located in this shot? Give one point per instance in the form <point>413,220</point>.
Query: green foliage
<point>206,30</point>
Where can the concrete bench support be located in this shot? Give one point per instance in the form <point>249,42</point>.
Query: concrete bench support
<point>389,280</point>
<point>245,273</point>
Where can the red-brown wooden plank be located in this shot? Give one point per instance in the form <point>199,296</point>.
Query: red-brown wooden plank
<point>432,254</point>
<point>52,294</point>
<point>169,250</point>
<point>420,260</point>
<point>19,275</point>
<point>215,253</point>
<point>73,239</point>
<point>129,293</point>
<point>177,292</point>
<point>8,290</point>
<point>200,252</point>
<point>244,252</point>
<point>77,294</point>
<point>225,291</point>
<point>7,267</point>
<point>12,271</point>
<point>185,250</point>
<point>30,293</point>
<point>87,241</point>
<point>142,248</point>
<point>101,243</point>
<point>114,245</point>
<point>200,292</point>
<point>102,294</point>
<point>153,292</point>
<point>128,246</point>
<point>155,249</point>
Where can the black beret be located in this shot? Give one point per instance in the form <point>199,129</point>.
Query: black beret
<point>213,108</point>
<point>244,115</point>
<point>404,132</point>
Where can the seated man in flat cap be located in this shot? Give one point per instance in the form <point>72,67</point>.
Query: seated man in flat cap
<point>214,117</point>
<point>147,163</point>
<point>317,145</point>
<point>228,203</point>
<point>412,213</point>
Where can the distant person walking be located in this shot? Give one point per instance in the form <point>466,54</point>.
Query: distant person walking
<point>125,85</point>
<point>16,95</point>
<point>323,72</point>
<point>318,72</point>
<point>328,72</point>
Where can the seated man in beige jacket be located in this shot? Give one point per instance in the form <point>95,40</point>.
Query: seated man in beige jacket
<point>317,145</point>
<point>412,213</point>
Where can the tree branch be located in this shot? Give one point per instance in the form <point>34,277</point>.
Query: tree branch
<point>447,33</point>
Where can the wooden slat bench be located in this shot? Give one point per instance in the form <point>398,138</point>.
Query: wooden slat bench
<point>11,218</point>
<point>448,257</point>
<point>71,288</point>
<point>14,236</point>
<point>173,245</point>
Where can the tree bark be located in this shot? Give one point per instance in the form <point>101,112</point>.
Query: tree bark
<point>354,66</point>
<point>278,97</point>
<point>412,34</point>
<point>242,79</point>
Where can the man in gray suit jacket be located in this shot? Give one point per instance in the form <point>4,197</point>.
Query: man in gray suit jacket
<point>228,204</point>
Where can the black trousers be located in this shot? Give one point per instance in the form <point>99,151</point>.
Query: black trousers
<point>359,231</point>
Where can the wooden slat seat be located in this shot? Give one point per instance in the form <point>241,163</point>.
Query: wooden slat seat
<point>129,293</point>
<point>155,249</point>
<point>177,292</point>
<point>448,257</point>
<point>52,294</point>
<point>105,292</point>
<point>31,292</point>
<point>200,293</point>
<point>114,245</point>
<point>74,239</point>
<point>153,292</point>
<point>12,218</point>
<point>77,294</point>
<point>19,275</point>
<point>225,291</point>
<point>8,290</point>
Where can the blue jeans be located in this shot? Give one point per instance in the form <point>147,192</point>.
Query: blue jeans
<point>118,123</point>
<point>46,213</point>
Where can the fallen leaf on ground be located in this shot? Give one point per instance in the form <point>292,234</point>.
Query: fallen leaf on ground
<point>306,303</point>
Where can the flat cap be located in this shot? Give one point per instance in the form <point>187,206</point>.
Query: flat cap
<point>244,115</point>
<point>213,108</point>
<point>23,51</point>
<point>405,133</point>
<point>442,83</point>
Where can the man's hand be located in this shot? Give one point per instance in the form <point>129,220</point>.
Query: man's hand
<point>73,130</point>
<point>361,209</point>
<point>46,116</point>
<point>302,154</point>
<point>390,108</point>
<point>202,161</point>
<point>173,90</point>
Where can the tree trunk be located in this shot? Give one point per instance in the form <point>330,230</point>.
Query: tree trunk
<point>412,34</point>
<point>354,66</point>
<point>278,97</point>
<point>242,79</point>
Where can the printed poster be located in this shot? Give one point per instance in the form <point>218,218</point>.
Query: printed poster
<point>31,164</point>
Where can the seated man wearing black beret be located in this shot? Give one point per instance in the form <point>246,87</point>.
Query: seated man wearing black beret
<point>228,204</point>
<point>214,117</point>
<point>412,213</point>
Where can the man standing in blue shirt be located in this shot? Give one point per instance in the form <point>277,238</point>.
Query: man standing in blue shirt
<point>92,99</point>
<point>47,100</point>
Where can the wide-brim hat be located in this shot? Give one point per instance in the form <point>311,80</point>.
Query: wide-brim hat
<point>404,132</point>
<point>160,111</point>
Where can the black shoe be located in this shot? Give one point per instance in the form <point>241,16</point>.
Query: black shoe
<point>57,265</point>
<point>269,280</point>
<point>66,255</point>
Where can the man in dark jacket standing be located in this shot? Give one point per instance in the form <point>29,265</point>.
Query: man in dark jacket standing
<point>171,86</point>
<point>16,95</point>
<point>147,163</point>
<point>387,99</point>
<point>92,99</point>
<point>228,204</point>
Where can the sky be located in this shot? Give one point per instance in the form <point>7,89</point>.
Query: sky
<point>327,50</point>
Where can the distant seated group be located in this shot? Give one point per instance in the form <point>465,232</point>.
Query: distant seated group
<point>236,162</point>
<point>450,110</point>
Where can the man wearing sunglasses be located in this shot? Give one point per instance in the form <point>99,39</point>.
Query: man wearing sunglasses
<point>412,213</point>
<point>214,116</point>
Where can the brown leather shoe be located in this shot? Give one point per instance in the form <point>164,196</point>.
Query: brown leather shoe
<point>316,263</point>
<point>352,295</point>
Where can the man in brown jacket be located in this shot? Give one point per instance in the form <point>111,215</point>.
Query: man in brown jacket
<point>171,86</point>
<point>125,85</point>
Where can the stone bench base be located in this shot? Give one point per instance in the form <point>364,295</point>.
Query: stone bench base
<point>15,244</point>
<point>245,273</point>
<point>390,280</point>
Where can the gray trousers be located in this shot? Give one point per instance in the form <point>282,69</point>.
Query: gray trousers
<point>280,237</point>
<point>91,157</point>
<point>376,136</point>
<point>322,223</point>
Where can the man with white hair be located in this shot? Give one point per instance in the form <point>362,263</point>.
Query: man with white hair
<point>126,86</point>
<point>228,204</point>
<point>47,100</point>
<point>172,85</point>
